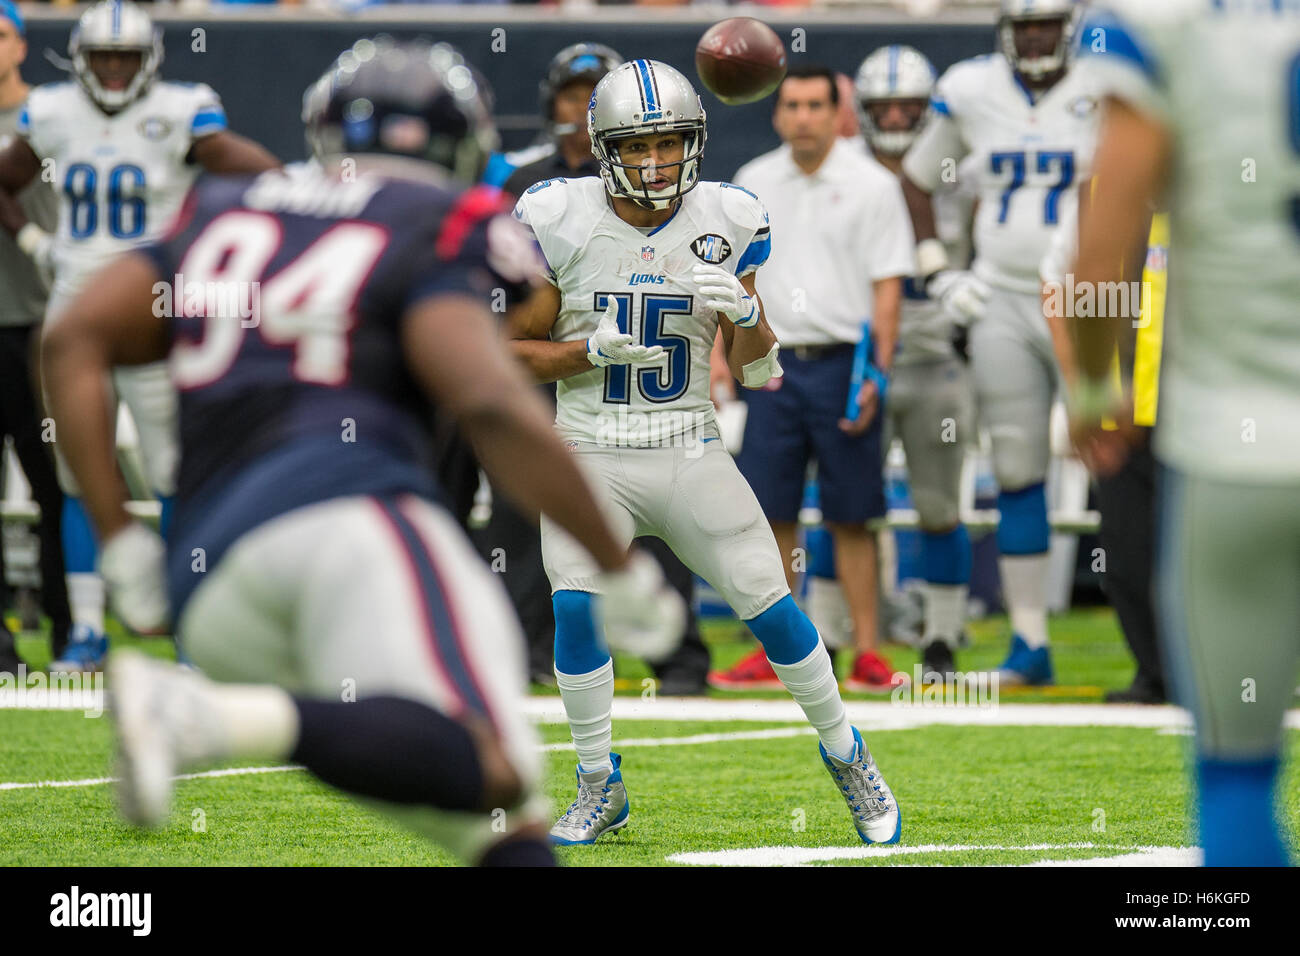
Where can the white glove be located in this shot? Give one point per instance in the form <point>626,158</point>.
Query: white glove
<point>39,245</point>
<point>609,346</point>
<point>724,293</point>
<point>133,565</point>
<point>642,615</point>
<point>964,297</point>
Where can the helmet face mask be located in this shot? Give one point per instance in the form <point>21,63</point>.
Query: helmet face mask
<point>645,99</point>
<point>1018,13</point>
<point>894,74</point>
<point>114,26</point>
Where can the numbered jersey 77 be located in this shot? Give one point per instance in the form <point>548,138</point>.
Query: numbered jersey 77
<point>1026,158</point>
<point>121,177</point>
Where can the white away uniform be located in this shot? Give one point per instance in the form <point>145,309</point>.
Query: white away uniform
<point>930,385</point>
<point>647,434</point>
<point>121,179</point>
<point>1224,81</point>
<point>1025,158</point>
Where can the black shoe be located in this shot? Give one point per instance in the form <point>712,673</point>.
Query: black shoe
<point>9,659</point>
<point>1136,695</point>
<point>681,683</point>
<point>937,658</point>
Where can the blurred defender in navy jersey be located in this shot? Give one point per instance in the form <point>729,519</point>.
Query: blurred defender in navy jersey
<point>320,310</point>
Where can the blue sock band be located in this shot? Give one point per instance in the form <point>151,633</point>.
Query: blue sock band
<point>165,520</point>
<point>1023,527</point>
<point>79,548</point>
<point>785,632</point>
<point>578,648</point>
<point>946,556</point>
<point>1236,816</point>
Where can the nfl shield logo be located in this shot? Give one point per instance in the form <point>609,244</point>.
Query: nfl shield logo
<point>648,253</point>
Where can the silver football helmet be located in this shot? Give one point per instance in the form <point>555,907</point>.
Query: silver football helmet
<point>1018,11</point>
<point>115,25</point>
<point>893,72</point>
<point>639,98</point>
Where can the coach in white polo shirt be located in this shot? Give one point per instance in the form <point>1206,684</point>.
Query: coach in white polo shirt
<point>841,246</point>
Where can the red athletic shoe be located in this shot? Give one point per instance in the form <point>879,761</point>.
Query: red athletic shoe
<point>752,672</point>
<point>871,672</point>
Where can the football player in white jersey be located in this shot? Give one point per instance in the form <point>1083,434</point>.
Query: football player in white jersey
<point>124,147</point>
<point>1024,122</point>
<point>1199,95</point>
<point>930,406</point>
<point>646,264</point>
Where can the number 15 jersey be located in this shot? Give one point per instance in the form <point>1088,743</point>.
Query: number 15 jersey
<point>592,256</point>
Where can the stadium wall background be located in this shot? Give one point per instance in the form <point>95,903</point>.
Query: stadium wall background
<point>262,64</point>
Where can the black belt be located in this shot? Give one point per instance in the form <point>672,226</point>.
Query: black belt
<point>810,353</point>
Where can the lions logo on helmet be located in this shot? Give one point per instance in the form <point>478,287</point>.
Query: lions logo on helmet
<point>1021,11</point>
<point>893,73</point>
<point>642,98</point>
<point>117,26</point>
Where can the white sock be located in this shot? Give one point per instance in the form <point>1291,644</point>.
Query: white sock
<point>1024,586</point>
<point>258,722</point>
<point>945,612</point>
<point>811,682</point>
<point>588,699</point>
<point>86,599</point>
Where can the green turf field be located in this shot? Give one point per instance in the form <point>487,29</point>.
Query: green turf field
<point>968,794</point>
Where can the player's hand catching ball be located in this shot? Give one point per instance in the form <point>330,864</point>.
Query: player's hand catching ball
<point>133,562</point>
<point>723,293</point>
<point>963,295</point>
<point>643,616</point>
<point>609,346</point>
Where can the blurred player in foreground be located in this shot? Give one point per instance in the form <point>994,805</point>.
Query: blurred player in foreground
<point>1025,123</point>
<point>307,551</point>
<point>1191,90</point>
<point>646,263</point>
<point>125,147</point>
<point>930,407</point>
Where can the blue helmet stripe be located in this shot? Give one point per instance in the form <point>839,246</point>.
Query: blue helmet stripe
<point>647,86</point>
<point>893,67</point>
<point>117,18</point>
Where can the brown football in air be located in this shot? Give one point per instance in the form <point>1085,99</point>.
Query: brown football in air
<point>740,60</point>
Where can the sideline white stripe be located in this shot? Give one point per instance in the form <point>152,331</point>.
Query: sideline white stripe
<point>803,856</point>
<point>884,715</point>
<point>100,781</point>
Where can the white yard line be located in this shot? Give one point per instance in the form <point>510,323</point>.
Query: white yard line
<point>773,734</point>
<point>803,856</point>
<point>101,781</point>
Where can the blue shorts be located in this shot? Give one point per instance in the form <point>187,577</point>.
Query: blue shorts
<point>799,420</point>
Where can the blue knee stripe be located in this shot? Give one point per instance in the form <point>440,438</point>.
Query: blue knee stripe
<point>578,648</point>
<point>1237,817</point>
<point>1023,528</point>
<point>785,632</point>
<point>79,547</point>
<point>165,519</point>
<point>946,557</point>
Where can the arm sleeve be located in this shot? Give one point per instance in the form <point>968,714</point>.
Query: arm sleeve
<point>752,224</point>
<point>888,242</point>
<point>524,214</point>
<point>941,140</point>
<point>208,116</point>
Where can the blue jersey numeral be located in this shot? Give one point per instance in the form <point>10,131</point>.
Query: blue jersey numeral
<point>656,384</point>
<point>1019,164</point>
<point>126,205</point>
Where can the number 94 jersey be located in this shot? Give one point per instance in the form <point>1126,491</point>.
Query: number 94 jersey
<point>121,178</point>
<point>592,256</point>
<point>1026,158</point>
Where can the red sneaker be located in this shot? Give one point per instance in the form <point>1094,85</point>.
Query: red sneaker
<point>752,672</point>
<point>871,672</point>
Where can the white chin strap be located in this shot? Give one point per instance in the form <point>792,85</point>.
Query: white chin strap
<point>894,143</point>
<point>1039,66</point>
